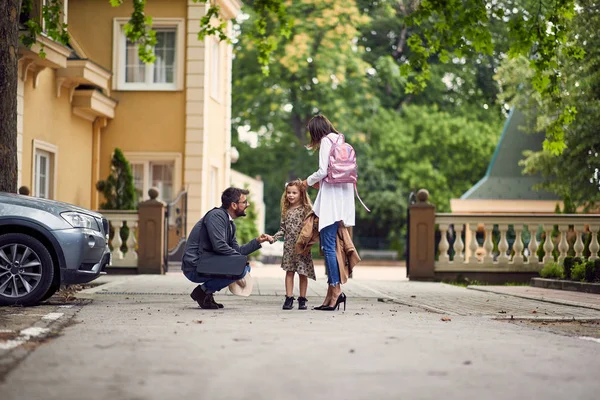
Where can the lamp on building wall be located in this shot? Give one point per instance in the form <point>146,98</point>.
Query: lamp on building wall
<point>235,154</point>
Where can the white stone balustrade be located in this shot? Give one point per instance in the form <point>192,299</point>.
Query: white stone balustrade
<point>520,256</point>
<point>117,219</point>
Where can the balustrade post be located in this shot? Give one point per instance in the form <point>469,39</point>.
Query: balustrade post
<point>444,245</point>
<point>503,245</point>
<point>488,245</point>
<point>533,258</point>
<point>579,246</point>
<point>116,241</point>
<point>131,254</point>
<point>518,245</point>
<point>563,245</point>
<point>594,246</point>
<point>422,238</point>
<point>459,246</point>
<point>548,245</point>
<point>151,235</point>
<point>473,245</point>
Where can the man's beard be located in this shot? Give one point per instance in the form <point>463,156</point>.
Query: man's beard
<point>240,213</point>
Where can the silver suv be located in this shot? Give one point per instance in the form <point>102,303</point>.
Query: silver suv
<point>44,244</point>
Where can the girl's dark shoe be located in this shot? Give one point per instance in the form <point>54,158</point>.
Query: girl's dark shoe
<point>288,304</point>
<point>341,299</point>
<point>302,303</point>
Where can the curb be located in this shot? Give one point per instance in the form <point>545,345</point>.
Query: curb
<point>49,328</point>
<point>572,286</point>
<point>537,298</point>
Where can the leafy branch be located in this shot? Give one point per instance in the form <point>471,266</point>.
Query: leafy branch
<point>139,30</point>
<point>459,28</point>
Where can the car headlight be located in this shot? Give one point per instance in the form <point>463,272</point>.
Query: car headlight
<point>79,220</point>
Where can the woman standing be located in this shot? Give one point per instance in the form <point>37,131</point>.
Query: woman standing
<point>334,205</point>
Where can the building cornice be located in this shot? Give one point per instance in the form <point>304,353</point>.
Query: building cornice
<point>91,104</point>
<point>82,72</point>
<point>31,62</point>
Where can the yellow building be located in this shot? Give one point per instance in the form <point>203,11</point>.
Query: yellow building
<point>172,118</point>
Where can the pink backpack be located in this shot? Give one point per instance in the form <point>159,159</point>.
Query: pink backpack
<point>342,165</point>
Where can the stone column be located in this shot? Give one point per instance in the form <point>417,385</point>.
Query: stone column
<point>422,237</point>
<point>151,235</point>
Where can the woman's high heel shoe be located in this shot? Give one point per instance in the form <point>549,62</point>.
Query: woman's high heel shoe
<point>341,299</point>
<point>321,306</point>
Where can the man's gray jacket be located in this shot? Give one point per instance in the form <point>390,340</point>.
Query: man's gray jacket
<point>215,232</point>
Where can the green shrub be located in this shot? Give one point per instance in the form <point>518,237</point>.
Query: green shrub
<point>552,270</point>
<point>597,268</point>
<point>578,272</point>
<point>590,271</point>
<point>568,266</point>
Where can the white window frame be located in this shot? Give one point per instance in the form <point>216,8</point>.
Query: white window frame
<point>52,171</point>
<point>119,58</point>
<point>157,157</point>
<point>215,71</point>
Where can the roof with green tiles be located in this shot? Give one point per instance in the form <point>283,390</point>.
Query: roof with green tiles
<point>504,179</point>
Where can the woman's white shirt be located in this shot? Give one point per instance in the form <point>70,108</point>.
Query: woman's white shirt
<point>335,201</point>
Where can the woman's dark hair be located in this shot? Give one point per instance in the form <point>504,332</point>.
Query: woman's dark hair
<point>319,127</point>
<point>232,195</point>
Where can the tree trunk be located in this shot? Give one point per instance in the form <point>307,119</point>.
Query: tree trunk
<point>9,45</point>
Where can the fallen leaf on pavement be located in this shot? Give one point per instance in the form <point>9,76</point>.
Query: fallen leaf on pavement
<point>446,319</point>
<point>501,312</point>
<point>198,321</point>
<point>534,312</point>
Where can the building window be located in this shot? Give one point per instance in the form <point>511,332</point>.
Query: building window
<point>166,73</point>
<point>63,18</point>
<point>159,170</point>
<point>44,169</point>
<point>215,71</point>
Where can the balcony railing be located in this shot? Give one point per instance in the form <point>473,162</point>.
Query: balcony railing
<point>124,251</point>
<point>512,242</point>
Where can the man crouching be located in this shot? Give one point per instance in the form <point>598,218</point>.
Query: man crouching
<point>215,232</point>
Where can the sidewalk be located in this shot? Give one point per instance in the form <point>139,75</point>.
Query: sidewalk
<point>381,284</point>
<point>576,299</point>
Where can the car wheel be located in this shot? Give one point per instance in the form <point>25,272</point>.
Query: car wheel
<point>26,270</point>
<point>53,288</point>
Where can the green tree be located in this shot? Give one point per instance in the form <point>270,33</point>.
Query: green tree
<point>118,188</point>
<point>424,147</point>
<point>320,69</point>
<point>573,175</point>
<point>447,29</point>
<point>246,228</point>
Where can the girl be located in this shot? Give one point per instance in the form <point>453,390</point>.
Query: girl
<point>295,205</point>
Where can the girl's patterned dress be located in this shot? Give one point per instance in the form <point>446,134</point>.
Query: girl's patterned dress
<point>291,225</point>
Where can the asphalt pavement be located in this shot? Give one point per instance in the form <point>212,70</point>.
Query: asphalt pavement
<point>142,337</point>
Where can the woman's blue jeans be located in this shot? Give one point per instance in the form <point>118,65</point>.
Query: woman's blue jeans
<point>328,241</point>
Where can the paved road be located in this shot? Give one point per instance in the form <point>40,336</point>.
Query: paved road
<point>142,338</point>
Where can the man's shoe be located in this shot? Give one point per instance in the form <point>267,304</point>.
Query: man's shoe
<point>209,303</point>
<point>289,303</point>
<point>214,302</point>
<point>198,295</point>
<point>203,299</point>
